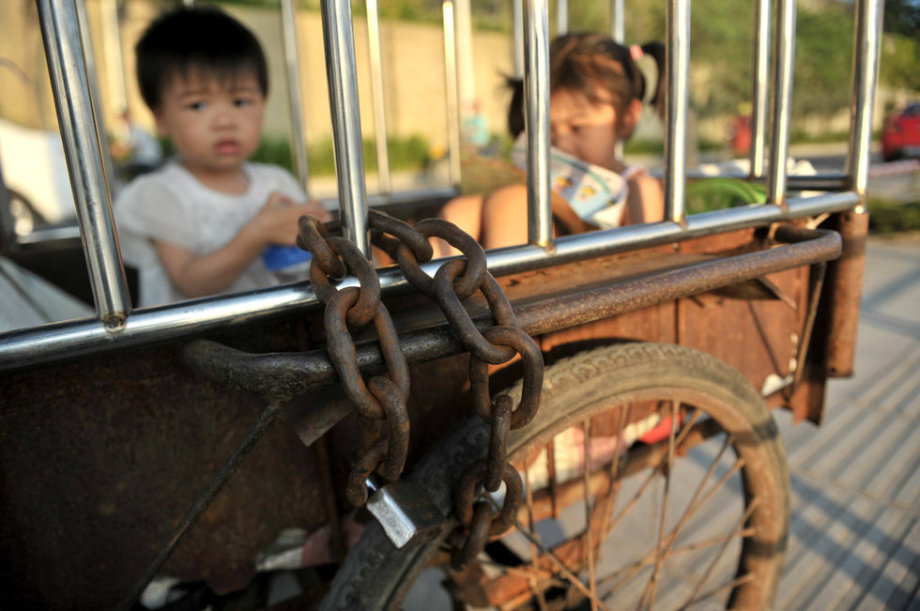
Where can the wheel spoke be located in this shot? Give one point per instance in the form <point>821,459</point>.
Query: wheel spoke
<point>686,429</point>
<point>587,539</point>
<point>634,500</point>
<point>746,578</point>
<point>648,596</point>
<point>712,565</point>
<point>694,504</point>
<point>551,475</point>
<point>531,578</point>
<point>560,565</point>
<point>615,462</point>
<point>698,545</point>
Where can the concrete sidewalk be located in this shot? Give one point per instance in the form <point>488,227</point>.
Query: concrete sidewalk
<point>855,530</point>
<point>855,537</point>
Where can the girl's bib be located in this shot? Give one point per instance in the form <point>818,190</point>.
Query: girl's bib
<point>596,194</point>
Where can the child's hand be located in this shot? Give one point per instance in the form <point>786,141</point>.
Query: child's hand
<point>276,222</point>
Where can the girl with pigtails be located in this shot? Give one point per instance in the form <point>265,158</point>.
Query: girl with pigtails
<point>598,88</point>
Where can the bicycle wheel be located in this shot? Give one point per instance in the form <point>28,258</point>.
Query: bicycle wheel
<point>710,527</point>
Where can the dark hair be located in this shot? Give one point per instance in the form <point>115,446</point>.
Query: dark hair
<point>516,106</point>
<point>585,61</point>
<point>198,37</point>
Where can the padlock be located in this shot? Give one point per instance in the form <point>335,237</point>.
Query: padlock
<point>403,510</point>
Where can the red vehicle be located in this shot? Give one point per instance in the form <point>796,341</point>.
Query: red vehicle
<point>901,135</point>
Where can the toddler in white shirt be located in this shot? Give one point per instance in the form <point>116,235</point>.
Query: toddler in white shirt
<point>200,225</point>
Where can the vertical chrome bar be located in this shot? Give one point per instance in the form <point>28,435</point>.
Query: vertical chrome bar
<point>466,69</point>
<point>676,101</point>
<point>295,100</point>
<point>451,74</point>
<point>342,74</point>
<point>866,50</point>
<point>617,21</point>
<point>114,61</point>
<point>784,71</point>
<point>81,135</point>
<point>618,33</point>
<point>378,96</point>
<point>517,51</point>
<point>562,17</point>
<point>95,97</point>
<point>536,110</point>
<point>760,106</point>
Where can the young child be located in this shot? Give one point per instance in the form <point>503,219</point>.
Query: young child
<point>199,225</point>
<point>597,93</point>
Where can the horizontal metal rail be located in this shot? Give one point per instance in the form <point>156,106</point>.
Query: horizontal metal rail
<point>71,339</point>
<point>831,181</point>
<point>44,236</point>
<point>281,376</point>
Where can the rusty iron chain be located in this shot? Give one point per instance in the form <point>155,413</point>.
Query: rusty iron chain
<point>454,282</point>
<point>381,400</point>
<point>383,397</point>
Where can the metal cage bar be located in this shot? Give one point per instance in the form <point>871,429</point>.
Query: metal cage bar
<point>64,340</point>
<point>114,59</point>
<point>866,51</point>
<point>451,74</point>
<point>562,17</point>
<point>760,91</point>
<point>517,38</point>
<point>536,110</point>
<point>781,106</point>
<point>78,117</point>
<point>295,99</point>
<point>676,104</point>
<point>617,21</point>
<point>338,36</point>
<point>378,97</point>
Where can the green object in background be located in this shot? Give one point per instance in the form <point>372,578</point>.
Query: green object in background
<point>717,193</point>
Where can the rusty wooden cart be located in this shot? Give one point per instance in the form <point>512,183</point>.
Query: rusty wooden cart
<point>181,440</point>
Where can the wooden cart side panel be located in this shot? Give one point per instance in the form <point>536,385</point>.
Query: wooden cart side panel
<point>760,338</point>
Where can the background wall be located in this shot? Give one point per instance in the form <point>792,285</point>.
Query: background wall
<point>412,55</point>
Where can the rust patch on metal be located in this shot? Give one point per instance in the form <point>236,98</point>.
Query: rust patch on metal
<point>844,292</point>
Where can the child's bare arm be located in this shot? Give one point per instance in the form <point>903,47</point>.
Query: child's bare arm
<point>200,275</point>
<point>646,201</point>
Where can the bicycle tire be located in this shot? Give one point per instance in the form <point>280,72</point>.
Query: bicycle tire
<point>375,575</point>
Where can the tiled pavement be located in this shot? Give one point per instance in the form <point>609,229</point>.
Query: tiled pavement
<point>855,540</point>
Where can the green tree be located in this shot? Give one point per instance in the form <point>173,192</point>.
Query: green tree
<point>903,17</point>
<point>900,62</point>
<point>824,57</point>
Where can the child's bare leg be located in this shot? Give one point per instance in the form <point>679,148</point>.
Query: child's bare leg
<point>504,217</point>
<point>466,213</point>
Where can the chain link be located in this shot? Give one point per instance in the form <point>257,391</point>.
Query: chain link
<point>454,282</point>
<point>382,399</point>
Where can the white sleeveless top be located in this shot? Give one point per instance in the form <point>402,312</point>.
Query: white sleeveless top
<point>171,205</point>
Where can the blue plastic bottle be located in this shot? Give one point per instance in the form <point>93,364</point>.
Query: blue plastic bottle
<point>288,263</point>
